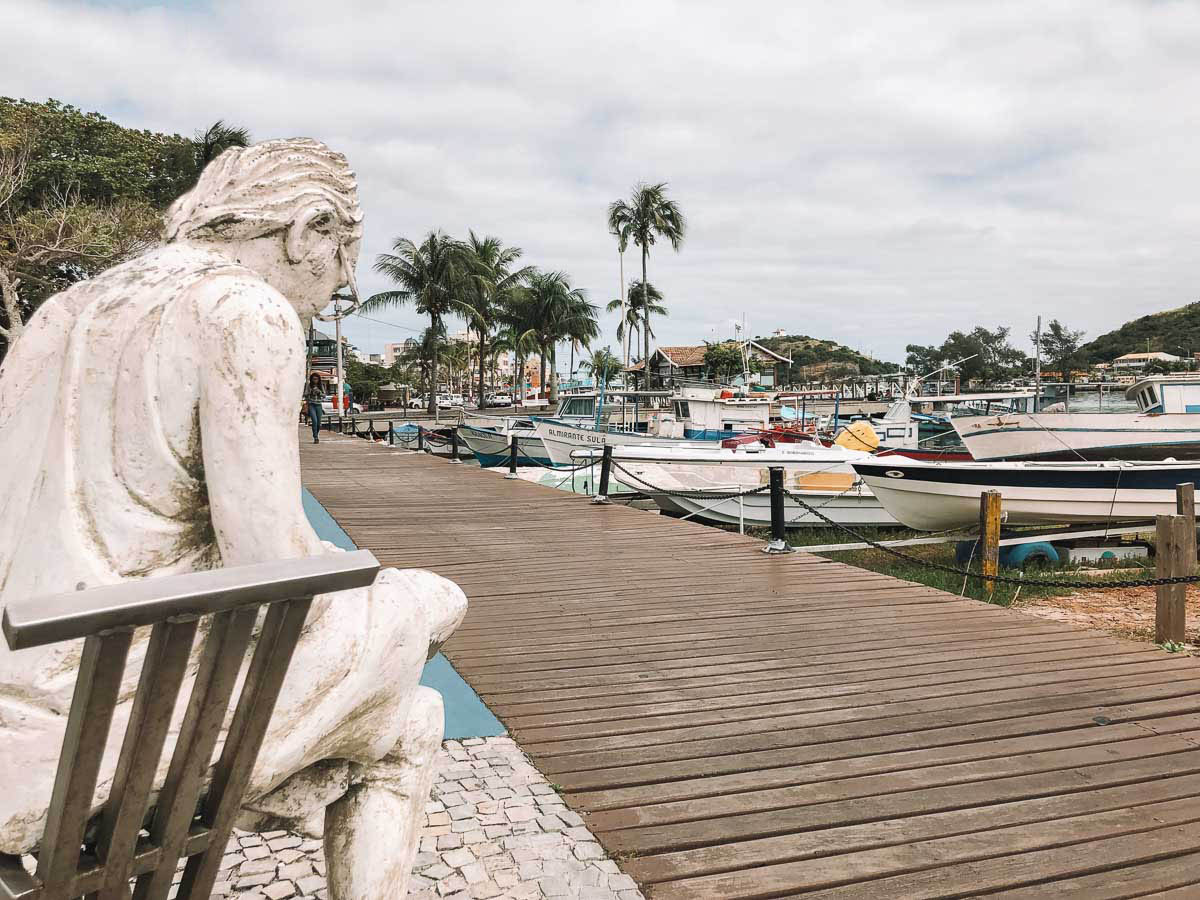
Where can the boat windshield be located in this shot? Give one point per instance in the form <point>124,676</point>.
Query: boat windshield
<point>900,411</point>
<point>578,406</point>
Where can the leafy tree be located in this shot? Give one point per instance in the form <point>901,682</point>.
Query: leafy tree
<point>78,194</point>
<point>647,216</point>
<point>433,277</point>
<point>724,361</point>
<point>1060,348</point>
<point>922,360</point>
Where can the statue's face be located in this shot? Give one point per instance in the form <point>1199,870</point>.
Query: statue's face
<point>316,263</point>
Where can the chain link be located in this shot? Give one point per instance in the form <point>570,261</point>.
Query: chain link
<point>689,495</point>
<point>1002,579</point>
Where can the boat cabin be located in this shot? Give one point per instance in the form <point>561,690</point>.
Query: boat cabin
<point>712,413</point>
<point>1166,394</point>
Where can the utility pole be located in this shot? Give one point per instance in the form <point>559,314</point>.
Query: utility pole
<point>1037,371</point>
<point>339,394</point>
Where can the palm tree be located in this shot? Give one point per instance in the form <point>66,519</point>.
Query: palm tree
<point>516,332</point>
<point>492,282</point>
<point>647,216</point>
<point>559,312</point>
<point>430,276</point>
<point>602,364</point>
<point>218,138</point>
<point>635,312</point>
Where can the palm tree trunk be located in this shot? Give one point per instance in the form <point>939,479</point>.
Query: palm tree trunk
<point>553,391</point>
<point>433,367</point>
<point>645,319</point>
<point>624,314</point>
<point>482,369</point>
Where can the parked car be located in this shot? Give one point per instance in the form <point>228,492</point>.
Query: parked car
<point>417,402</point>
<point>456,400</point>
<point>499,400</point>
<point>327,407</point>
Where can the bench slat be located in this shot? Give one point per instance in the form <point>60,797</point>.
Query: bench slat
<point>272,656</point>
<point>162,675</point>
<point>97,687</point>
<point>216,676</point>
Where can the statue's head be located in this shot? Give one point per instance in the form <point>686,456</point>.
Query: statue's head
<point>287,209</point>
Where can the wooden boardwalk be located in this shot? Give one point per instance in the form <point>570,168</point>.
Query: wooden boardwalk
<point>738,725</point>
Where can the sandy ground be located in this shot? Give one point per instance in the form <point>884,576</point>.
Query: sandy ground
<point>1126,612</point>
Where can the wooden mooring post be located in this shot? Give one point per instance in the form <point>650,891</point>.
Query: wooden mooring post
<point>989,537</point>
<point>1175,555</point>
<point>512,458</point>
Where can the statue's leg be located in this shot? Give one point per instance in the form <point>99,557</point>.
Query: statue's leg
<point>371,832</point>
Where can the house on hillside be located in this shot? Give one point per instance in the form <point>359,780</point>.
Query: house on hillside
<point>672,365</point>
<point>1141,360</point>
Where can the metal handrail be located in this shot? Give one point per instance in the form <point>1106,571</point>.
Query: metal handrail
<point>140,602</point>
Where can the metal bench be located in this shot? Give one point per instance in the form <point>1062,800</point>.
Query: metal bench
<point>128,840</point>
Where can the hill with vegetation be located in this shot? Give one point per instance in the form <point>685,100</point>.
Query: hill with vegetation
<point>809,353</point>
<point>1175,331</point>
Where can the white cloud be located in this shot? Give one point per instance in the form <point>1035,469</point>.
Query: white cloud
<point>871,172</point>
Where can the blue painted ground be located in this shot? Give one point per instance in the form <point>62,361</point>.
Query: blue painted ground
<point>466,716</point>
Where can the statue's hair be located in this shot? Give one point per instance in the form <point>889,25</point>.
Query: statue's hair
<point>267,187</point>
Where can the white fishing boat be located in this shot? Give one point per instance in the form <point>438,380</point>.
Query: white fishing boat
<point>942,496</point>
<point>1166,425</point>
<point>492,446</point>
<point>689,482</point>
<point>563,439</point>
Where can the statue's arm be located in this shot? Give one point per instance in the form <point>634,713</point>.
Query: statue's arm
<point>251,375</point>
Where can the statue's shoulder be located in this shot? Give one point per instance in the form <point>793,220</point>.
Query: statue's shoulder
<point>234,300</point>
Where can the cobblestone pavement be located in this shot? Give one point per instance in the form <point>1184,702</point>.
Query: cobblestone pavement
<point>494,827</point>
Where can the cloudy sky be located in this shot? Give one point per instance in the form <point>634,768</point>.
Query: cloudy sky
<point>875,173</point>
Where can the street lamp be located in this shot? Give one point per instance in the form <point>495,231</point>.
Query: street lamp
<point>1187,355</point>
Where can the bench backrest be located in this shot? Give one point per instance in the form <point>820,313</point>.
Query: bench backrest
<point>101,864</point>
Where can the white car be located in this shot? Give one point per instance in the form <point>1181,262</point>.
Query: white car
<point>500,400</point>
<point>456,400</point>
<point>328,410</point>
<point>417,403</point>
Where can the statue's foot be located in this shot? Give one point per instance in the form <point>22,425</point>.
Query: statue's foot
<point>371,833</point>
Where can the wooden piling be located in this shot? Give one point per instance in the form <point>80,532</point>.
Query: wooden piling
<point>1185,505</point>
<point>989,537</point>
<point>1175,555</point>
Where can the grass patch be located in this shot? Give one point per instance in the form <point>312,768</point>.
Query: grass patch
<point>1003,595</point>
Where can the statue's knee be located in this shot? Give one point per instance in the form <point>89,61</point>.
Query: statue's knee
<point>438,601</point>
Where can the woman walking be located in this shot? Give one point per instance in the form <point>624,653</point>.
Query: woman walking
<point>314,393</point>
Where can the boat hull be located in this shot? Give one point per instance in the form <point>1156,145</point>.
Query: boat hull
<point>560,440</point>
<point>946,496</point>
<point>857,508</point>
<point>491,448</point>
<point>1081,436</point>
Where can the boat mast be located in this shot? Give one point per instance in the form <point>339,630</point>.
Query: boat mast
<point>1037,372</point>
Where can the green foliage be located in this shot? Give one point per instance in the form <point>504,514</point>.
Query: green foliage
<point>104,160</point>
<point>80,193</point>
<point>1175,331</point>
<point>1060,347</point>
<point>602,365</point>
<point>807,352</point>
<point>724,361</point>
<point>980,354</point>
<point>647,216</point>
<point>365,378</point>
<point>636,312</point>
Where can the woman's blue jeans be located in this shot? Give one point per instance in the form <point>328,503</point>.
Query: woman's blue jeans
<point>314,418</point>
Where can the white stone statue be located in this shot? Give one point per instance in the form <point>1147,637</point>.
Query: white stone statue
<point>148,426</point>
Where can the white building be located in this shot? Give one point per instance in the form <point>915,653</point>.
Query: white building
<point>1141,360</point>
